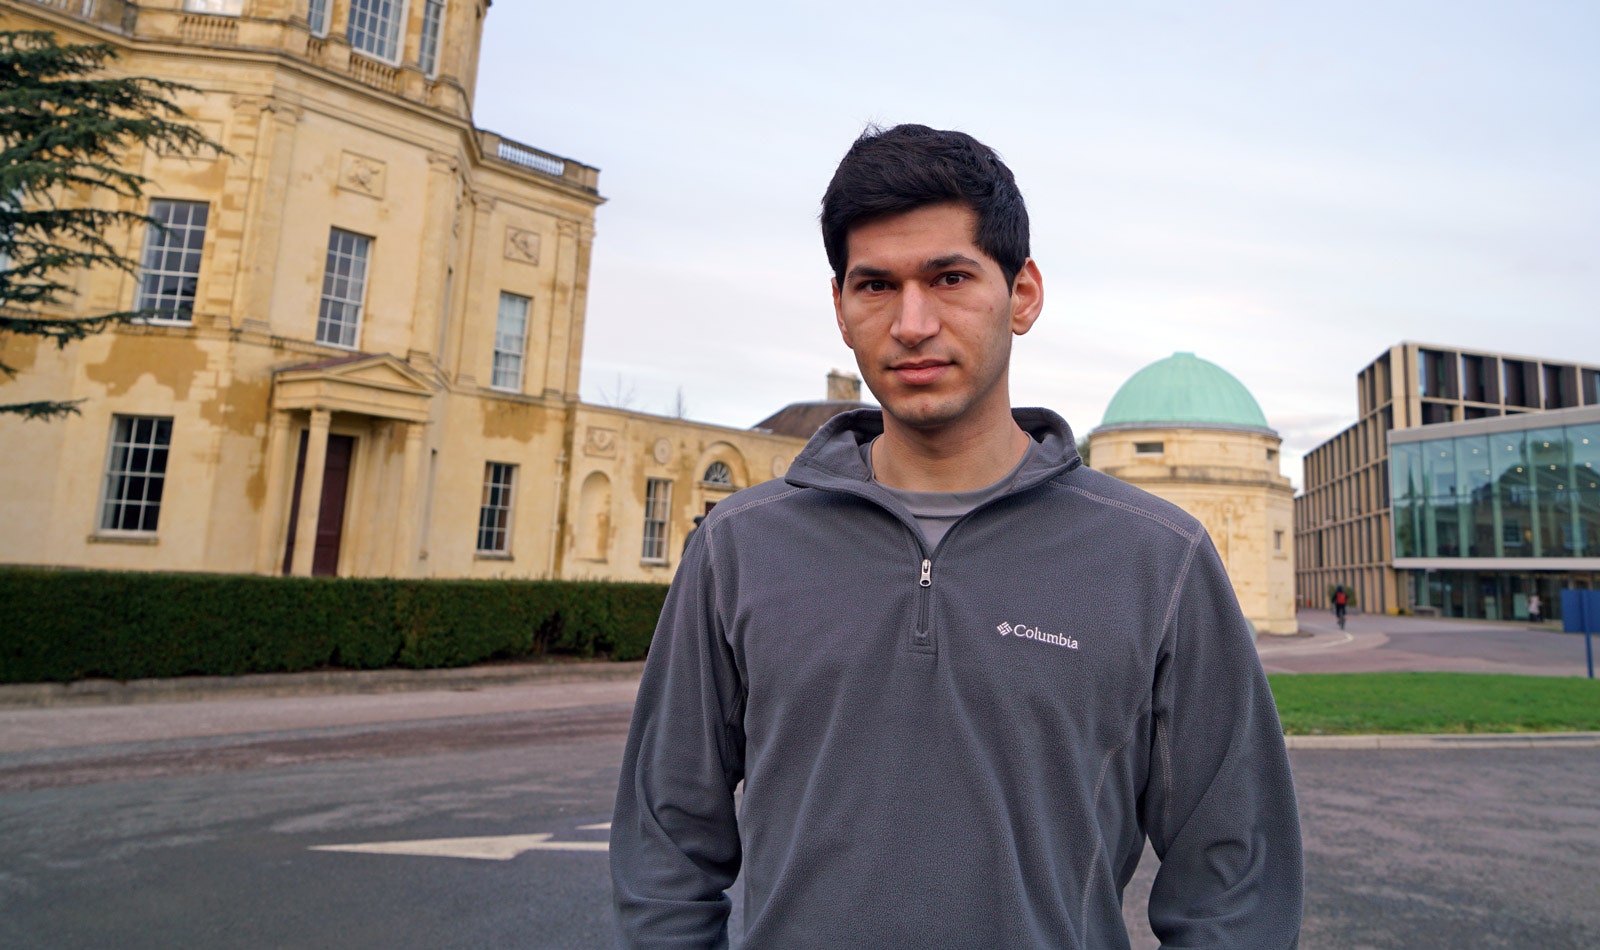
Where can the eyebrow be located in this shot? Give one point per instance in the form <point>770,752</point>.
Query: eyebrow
<point>862,270</point>
<point>932,264</point>
<point>949,260</point>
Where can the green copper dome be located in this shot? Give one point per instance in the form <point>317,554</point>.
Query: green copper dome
<point>1184,390</point>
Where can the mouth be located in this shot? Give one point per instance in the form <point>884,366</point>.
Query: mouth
<point>919,372</point>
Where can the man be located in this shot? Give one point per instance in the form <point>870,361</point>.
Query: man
<point>961,676</point>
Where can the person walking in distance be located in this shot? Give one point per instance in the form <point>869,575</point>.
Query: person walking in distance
<point>961,676</point>
<point>1340,601</point>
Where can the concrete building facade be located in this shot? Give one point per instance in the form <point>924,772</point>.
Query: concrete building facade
<point>1186,430</point>
<point>367,323</point>
<point>1344,531</point>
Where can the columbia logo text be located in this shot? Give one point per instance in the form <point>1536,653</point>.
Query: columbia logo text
<point>1025,632</point>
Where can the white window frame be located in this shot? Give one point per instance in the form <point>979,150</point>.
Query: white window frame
<point>215,7</point>
<point>657,520</point>
<point>510,342</point>
<point>131,478</point>
<point>169,275</point>
<point>382,39</point>
<point>432,45</point>
<point>317,16</point>
<point>344,293</point>
<point>494,509</point>
<point>718,474</point>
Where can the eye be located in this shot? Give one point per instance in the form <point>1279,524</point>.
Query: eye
<point>950,280</point>
<point>873,286</point>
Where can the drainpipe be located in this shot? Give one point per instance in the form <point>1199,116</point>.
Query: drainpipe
<point>560,498</point>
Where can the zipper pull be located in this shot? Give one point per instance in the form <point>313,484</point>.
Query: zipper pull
<point>927,573</point>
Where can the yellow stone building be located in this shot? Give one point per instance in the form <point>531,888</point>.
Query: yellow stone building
<point>1186,430</point>
<point>370,321</point>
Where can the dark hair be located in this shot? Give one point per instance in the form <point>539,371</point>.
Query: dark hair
<point>889,172</point>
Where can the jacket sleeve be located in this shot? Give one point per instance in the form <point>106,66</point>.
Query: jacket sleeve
<point>674,836</point>
<point>1220,806</point>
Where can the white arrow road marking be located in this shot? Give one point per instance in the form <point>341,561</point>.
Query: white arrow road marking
<point>502,848</point>
<point>603,826</point>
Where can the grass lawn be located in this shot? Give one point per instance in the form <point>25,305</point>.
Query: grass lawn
<point>1320,704</point>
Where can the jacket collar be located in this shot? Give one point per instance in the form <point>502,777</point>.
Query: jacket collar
<point>832,458</point>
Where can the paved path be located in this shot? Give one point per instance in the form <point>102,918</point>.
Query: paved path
<point>1379,643</point>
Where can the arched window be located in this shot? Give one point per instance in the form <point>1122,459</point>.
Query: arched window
<point>718,473</point>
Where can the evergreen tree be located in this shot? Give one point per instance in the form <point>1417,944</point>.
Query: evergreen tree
<point>65,129</point>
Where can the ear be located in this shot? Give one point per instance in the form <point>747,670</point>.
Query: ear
<point>838,313</point>
<point>1027,297</point>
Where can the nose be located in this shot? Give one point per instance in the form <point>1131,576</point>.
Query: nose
<point>917,319</point>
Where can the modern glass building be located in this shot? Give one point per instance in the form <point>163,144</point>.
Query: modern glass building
<point>1343,529</point>
<point>1490,512</point>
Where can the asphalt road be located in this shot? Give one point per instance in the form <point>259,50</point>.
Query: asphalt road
<point>207,842</point>
<point>201,823</point>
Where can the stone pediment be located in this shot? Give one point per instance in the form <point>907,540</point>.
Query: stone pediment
<point>365,384</point>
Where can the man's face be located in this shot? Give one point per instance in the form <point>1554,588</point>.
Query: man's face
<point>930,317</point>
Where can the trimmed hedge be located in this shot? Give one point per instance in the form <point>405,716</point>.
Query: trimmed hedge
<point>59,626</point>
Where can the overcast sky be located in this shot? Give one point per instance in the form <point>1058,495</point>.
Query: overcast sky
<point>1284,189</point>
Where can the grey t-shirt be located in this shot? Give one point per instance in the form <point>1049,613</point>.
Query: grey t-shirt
<point>936,511</point>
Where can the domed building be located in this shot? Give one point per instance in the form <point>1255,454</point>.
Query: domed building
<point>1186,430</point>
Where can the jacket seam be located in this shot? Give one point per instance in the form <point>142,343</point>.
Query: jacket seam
<point>1163,735</point>
<point>1089,873</point>
<point>754,503</point>
<point>735,713</point>
<point>1171,525</point>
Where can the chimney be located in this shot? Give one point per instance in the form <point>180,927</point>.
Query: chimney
<point>844,387</point>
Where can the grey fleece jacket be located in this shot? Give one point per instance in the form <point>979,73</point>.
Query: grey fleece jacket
<point>963,747</point>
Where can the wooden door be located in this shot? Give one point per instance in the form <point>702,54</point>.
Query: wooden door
<point>330,514</point>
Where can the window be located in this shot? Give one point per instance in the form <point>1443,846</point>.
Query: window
<point>657,505</point>
<point>374,28</point>
<point>170,265</point>
<point>1148,448</point>
<point>9,207</point>
<point>718,473</point>
<point>317,17</point>
<point>510,338</point>
<point>432,30</point>
<point>136,473</point>
<point>494,514</point>
<point>1277,541</point>
<point>344,286</point>
<point>223,7</point>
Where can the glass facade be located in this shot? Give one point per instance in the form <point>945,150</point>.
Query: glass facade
<point>1534,493</point>
<point>1527,494</point>
<point>1494,595</point>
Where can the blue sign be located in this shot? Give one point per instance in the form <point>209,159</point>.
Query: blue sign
<point>1580,613</point>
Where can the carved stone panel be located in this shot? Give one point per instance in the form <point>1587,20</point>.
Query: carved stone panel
<point>600,442</point>
<point>663,451</point>
<point>362,175</point>
<point>522,245</point>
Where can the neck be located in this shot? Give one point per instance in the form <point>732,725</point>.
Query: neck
<point>946,459</point>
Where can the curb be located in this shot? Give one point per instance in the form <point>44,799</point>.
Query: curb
<point>100,692</point>
<point>1512,740</point>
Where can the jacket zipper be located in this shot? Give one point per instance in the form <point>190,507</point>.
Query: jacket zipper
<point>924,637</point>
